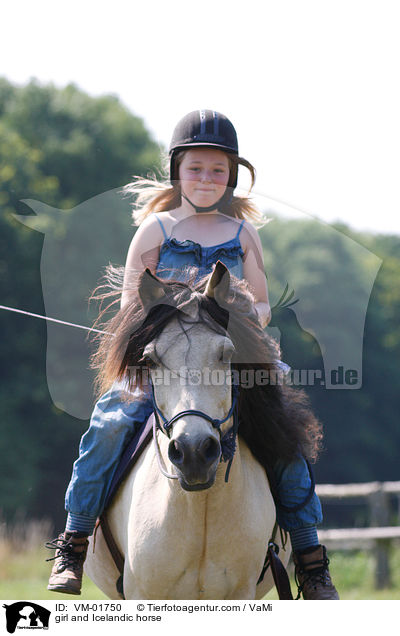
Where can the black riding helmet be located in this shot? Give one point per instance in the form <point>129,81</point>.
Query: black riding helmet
<point>210,129</point>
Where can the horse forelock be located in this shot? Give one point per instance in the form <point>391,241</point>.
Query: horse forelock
<point>134,327</point>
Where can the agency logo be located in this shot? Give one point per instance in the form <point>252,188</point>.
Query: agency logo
<point>26,615</point>
<point>324,324</point>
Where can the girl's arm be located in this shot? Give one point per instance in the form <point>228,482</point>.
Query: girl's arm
<point>253,272</point>
<point>144,251</point>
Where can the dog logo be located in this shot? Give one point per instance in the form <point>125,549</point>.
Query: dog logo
<point>26,615</point>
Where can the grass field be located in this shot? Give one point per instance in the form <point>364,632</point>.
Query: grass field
<point>24,571</point>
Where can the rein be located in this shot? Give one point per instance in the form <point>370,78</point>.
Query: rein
<point>228,441</point>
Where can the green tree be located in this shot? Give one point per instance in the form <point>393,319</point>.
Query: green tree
<point>60,147</point>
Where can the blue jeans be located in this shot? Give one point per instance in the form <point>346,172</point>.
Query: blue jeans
<point>113,424</point>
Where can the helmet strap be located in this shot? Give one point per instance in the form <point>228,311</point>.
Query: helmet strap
<point>224,200</point>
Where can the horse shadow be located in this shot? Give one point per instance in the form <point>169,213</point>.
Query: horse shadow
<point>300,349</point>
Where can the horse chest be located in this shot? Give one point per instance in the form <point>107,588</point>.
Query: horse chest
<point>205,550</point>
<point>191,564</point>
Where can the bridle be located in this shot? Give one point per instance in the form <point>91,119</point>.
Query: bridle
<point>227,441</point>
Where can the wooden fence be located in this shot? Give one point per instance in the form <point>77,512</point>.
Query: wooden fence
<point>379,535</point>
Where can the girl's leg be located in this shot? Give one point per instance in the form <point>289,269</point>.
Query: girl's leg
<point>298,507</point>
<point>298,511</point>
<point>113,423</point>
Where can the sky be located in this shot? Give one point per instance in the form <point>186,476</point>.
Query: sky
<point>311,86</point>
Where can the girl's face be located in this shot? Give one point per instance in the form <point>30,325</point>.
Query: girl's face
<point>204,175</point>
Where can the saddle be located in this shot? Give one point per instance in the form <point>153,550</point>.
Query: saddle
<point>128,460</point>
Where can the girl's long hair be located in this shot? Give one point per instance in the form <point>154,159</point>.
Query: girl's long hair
<point>156,194</point>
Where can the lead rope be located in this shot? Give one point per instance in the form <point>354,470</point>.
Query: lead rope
<point>61,322</point>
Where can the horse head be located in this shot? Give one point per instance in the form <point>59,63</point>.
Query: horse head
<point>189,366</point>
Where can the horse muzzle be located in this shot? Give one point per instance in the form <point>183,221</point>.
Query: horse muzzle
<point>196,460</point>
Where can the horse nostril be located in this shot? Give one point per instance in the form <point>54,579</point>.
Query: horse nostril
<point>175,453</point>
<point>209,449</point>
<point>181,453</point>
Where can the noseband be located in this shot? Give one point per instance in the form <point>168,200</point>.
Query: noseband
<point>228,441</point>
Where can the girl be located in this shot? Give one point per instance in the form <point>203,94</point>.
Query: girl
<point>194,220</point>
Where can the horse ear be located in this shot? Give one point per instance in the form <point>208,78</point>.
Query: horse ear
<point>151,289</point>
<point>218,283</point>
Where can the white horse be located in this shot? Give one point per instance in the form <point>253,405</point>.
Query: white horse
<point>194,536</point>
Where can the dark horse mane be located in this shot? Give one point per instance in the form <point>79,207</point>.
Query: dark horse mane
<point>276,421</point>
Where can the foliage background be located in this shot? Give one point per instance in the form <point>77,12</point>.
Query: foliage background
<point>62,147</point>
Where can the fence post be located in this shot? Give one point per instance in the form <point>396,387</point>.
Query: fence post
<point>379,516</point>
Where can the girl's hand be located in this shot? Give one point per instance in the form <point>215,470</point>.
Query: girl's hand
<point>264,313</point>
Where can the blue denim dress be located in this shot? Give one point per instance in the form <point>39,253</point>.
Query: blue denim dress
<point>114,421</point>
<point>177,256</point>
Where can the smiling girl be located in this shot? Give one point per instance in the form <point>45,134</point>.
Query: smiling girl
<point>193,220</point>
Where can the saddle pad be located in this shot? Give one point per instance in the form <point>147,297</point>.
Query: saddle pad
<point>129,457</point>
